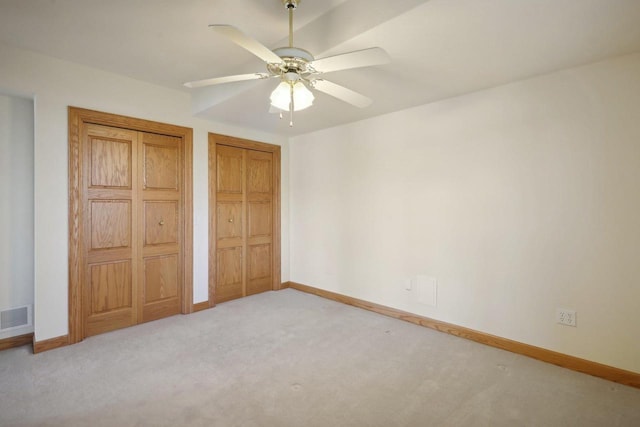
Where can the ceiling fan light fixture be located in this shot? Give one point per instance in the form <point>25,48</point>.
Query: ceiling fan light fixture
<point>302,96</point>
<point>297,69</point>
<point>281,96</point>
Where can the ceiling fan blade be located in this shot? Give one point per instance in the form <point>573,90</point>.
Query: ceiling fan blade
<point>227,79</point>
<point>355,59</point>
<point>342,93</point>
<point>249,43</point>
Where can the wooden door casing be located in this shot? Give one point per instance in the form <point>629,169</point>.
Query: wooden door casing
<point>124,267</point>
<point>244,218</point>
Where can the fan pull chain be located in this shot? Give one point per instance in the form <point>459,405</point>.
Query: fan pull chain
<point>291,106</point>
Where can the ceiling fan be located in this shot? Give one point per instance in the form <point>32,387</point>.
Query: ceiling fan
<point>297,69</point>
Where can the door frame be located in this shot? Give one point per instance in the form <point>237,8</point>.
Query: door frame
<point>78,118</point>
<point>251,145</point>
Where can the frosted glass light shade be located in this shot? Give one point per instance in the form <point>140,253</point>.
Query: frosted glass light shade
<point>281,96</point>
<point>302,96</point>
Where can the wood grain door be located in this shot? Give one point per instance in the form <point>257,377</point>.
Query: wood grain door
<point>259,228</point>
<point>133,238</point>
<point>230,219</point>
<point>160,269</point>
<point>110,202</point>
<point>244,217</point>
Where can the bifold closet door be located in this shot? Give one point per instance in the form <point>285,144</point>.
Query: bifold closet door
<point>110,228</point>
<point>132,239</point>
<point>244,222</point>
<point>161,214</point>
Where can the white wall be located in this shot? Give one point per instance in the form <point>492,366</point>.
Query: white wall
<point>518,199</point>
<point>16,206</point>
<point>56,84</point>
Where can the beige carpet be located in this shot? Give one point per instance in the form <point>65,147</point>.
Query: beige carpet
<point>291,359</point>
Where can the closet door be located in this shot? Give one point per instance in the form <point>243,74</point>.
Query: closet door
<point>160,216</point>
<point>134,217</point>
<point>244,222</point>
<point>110,238</point>
<point>259,242</point>
<point>230,219</point>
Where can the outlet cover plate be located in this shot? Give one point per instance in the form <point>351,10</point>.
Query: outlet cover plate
<point>566,317</point>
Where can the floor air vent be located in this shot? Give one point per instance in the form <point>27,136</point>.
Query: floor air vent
<point>15,318</point>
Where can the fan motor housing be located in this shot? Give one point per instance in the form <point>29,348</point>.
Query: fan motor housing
<point>294,60</point>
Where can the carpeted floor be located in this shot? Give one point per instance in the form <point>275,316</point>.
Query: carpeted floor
<point>292,359</point>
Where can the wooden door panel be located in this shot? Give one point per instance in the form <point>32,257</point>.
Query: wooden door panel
<point>110,224</point>
<point>110,161</point>
<point>229,274</point>
<point>110,286</point>
<point>230,169</point>
<point>259,172</point>
<point>259,219</point>
<point>161,287</point>
<point>259,269</point>
<point>160,222</point>
<point>229,220</point>
<point>160,278</point>
<point>161,169</point>
<point>109,297</point>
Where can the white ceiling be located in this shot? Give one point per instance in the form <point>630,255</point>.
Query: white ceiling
<point>439,48</point>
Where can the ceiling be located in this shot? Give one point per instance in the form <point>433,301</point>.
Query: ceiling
<point>439,48</point>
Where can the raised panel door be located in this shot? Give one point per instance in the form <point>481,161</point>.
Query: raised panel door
<point>259,221</point>
<point>160,270</point>
<point>110,165</point>
<point>243,222</point>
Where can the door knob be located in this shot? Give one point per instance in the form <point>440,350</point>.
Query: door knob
<point>230,219</point>
<point>161,222</point>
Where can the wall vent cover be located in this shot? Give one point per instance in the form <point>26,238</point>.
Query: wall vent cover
<point>15,318</point>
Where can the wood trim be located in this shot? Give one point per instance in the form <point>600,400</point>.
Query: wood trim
<point>285,285</point>
<point>78,117</point>
<point>76,325</point>
<point>187,179</point>
<point>200,306</point>
<point>566,361</point>
<point>50,344</point>
<point>16,341</point>
<point>212,229</point>
<point>277,227</point>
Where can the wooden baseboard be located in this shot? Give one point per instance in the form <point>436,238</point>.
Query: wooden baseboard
<point>16,341</point>
<point>284,285</point>
<point>50,344</point>
<point>200,306</point>
<point>570,362</point>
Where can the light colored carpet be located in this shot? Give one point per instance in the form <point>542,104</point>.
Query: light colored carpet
<point>292,359</point>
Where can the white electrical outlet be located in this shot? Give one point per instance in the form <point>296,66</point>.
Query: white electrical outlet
<point>566,317</point>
